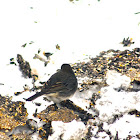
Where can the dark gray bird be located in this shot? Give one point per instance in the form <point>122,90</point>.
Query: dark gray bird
<point>61,85</point>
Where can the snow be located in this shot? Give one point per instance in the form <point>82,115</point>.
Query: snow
<point>68,130</point>
<point>114,102</point>
<point>122,80</point>
<point>82,29</point>
<point>127,125</point>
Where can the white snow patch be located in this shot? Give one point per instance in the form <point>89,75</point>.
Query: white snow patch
<point>126,125</point>
<point>113,102</point>
<point>117,80</point>
<point>72,130</point>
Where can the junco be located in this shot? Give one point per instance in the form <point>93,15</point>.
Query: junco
<point>61,85</point>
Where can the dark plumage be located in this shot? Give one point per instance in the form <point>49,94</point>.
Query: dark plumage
<point>61,85</point>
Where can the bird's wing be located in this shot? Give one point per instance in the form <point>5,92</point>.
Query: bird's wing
<point>57,87</point>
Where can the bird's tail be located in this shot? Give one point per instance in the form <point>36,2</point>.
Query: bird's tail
<point>34,96</point>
